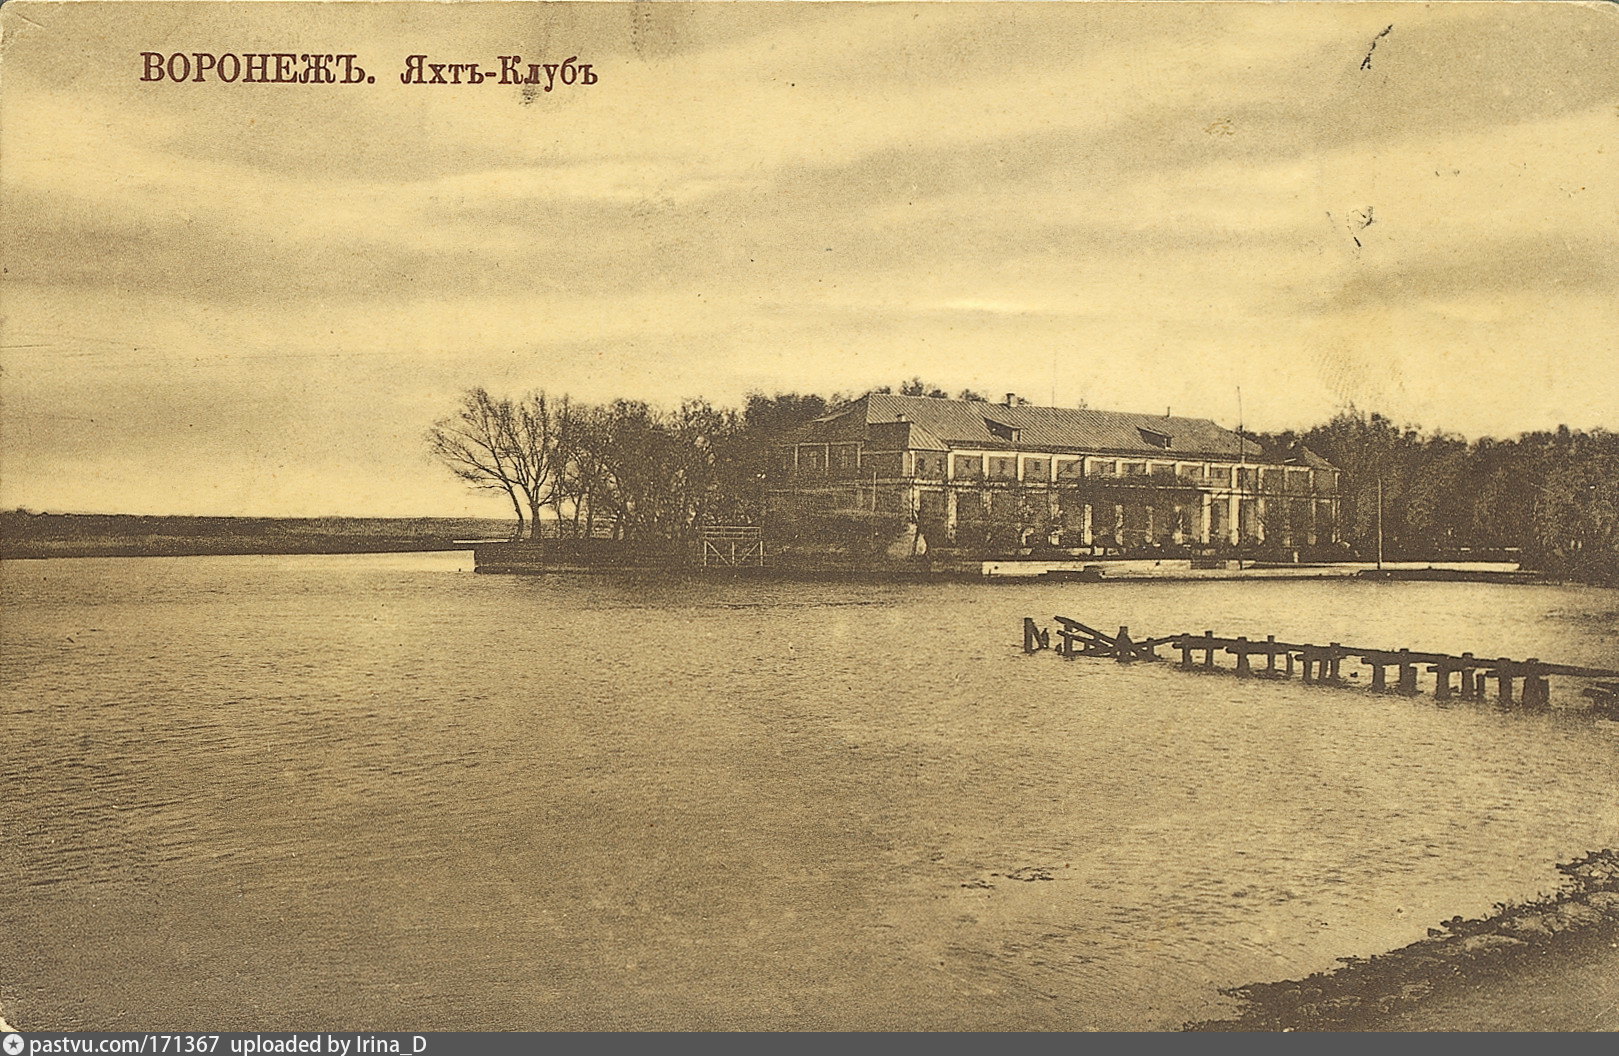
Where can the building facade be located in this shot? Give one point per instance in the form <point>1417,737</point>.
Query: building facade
<point>1008,475</point>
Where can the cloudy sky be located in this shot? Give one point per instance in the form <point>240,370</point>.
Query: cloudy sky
<point>231,298</point>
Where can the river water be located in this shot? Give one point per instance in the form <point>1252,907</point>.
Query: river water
<point>382,792</point>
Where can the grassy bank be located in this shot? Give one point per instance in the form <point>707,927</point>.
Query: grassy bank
<point>40,535</point>
<point>1551,940</point>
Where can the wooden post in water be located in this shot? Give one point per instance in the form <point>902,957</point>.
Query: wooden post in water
<point>1505,672</point>
<point>1334,657</point>
<point>1469,684</point>
<point>1185,647</point>
<point>1126,648</point>
<point>1241,649</point>
<point>1408,673</point>
<point>1208,653</point>
<point>1290,663</point>
<point>1441,685</point>
<point>1270,655</point>
<point>1536,691</point>
<point>1379,678</point>
<point>1035,637</point>
<point>1307,656</point>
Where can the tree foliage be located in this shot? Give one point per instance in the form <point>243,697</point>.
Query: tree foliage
<point>1554,495</point>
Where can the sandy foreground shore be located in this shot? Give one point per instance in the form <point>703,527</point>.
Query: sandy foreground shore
<point>1579,992</point>
<point>1547,965</point>
<point>1573,993</point>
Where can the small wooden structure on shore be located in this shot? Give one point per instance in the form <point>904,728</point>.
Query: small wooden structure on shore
<point>1463,677</point>
<point>732,546</point>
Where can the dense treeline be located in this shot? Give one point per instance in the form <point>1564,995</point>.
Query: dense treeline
<point>1554,496</point>
<point>637,472</point>
<point>624,469</point>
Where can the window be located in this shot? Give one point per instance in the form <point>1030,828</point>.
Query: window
<point>1000,430</point>
<point>1155,438</point>
<point>1003,468</point>
<point>969,467</point>
<point>1106,468</point>
<point>1134,469</point>
<point>1037,469</point>
<point>1070,468</point>
<point>930,466</point>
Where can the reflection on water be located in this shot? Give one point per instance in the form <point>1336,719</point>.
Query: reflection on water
<point>379,791</point>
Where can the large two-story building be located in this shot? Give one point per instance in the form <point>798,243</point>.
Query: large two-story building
<point>975,473</point>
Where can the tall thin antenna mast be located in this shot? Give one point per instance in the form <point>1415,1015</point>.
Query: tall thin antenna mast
<point>1242,450</point>
<point>1380,521</point>
<point>1242,471</point>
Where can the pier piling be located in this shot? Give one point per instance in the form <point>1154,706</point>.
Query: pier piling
<point>1441,684</point>
<point>1408,674</point>
<point>1469,684</point>
<point>1241,651</point>
<point>1536,690</point>
<point>1322,664</point>
<point>1505,674</point>
<point>1125,651</point>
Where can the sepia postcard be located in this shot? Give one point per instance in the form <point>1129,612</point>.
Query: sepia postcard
<point>917,516</point>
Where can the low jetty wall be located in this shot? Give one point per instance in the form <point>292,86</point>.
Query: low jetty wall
<point>942,564</point>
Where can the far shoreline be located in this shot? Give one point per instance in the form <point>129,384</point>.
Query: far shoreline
<point>233,548</point>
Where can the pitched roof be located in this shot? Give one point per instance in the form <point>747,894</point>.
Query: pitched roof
<point>959,423</point>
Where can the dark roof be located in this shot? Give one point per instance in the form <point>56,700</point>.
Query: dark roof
<point>937,423</point>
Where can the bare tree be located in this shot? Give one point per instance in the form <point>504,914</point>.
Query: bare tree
<point>503,445</point>
<point>471,442</point>
<point>532,440</point>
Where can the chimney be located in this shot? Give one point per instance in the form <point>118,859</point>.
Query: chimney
<point>1011,399</point>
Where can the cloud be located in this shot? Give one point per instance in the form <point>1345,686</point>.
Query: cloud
<point>1138,204</point>
<point>1515,267</point>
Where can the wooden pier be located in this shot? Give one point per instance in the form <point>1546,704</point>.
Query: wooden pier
<point>1465,677</point>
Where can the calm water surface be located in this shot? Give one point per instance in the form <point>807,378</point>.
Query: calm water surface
<point>382,792</point>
